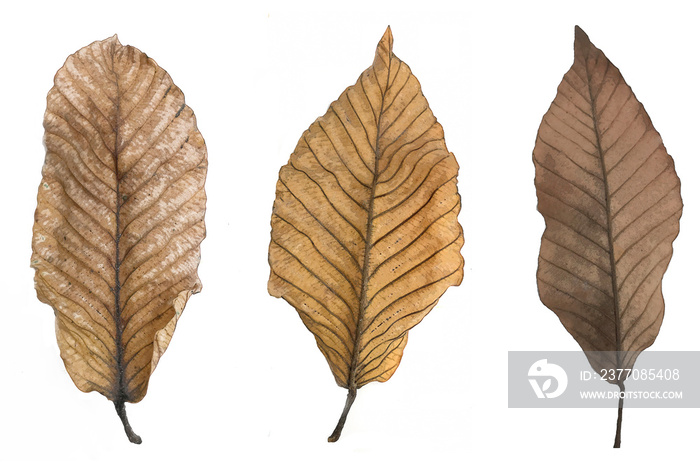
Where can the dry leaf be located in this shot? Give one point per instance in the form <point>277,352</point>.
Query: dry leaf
<point>120,217</point>
<point>365,237</point>
<point>611,200</point>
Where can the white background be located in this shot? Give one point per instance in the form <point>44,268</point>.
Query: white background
<point>243,381</point>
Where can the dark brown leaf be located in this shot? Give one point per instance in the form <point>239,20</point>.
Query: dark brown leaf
<point>611,200</point>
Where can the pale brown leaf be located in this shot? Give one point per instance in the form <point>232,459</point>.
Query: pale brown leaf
<point>120,217</point>
<point>365,237</point>
<point>611,200</point>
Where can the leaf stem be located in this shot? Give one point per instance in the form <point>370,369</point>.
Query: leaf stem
<point>618,433</point>
<point>121,411</point>
<point>352,393</point>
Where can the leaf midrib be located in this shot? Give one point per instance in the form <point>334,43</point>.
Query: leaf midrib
<point>354,364</point>
<point>120,394</point>
<point>608,212</point>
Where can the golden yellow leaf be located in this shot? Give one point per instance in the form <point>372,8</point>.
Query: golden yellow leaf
<point>365,237</point>
<point>119,218</point>
<point>610,196</point>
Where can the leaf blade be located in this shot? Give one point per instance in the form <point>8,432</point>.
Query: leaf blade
<point>612,201</point>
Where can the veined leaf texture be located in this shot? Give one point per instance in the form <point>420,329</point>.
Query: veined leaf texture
<point>365,237</point>
<point>610,196</point>
<point>120,217</point>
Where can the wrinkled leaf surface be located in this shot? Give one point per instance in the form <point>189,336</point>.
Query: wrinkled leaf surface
<point>120,216</point>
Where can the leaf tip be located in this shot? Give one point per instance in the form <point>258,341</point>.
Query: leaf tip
<point>114,39</point>
<point>387,40</point>
<point>580,37</point>
<point>384,49</point>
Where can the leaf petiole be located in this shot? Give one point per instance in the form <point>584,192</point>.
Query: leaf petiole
<point>618,433</point>
<point>121,411</point>
<point>352,393</point>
